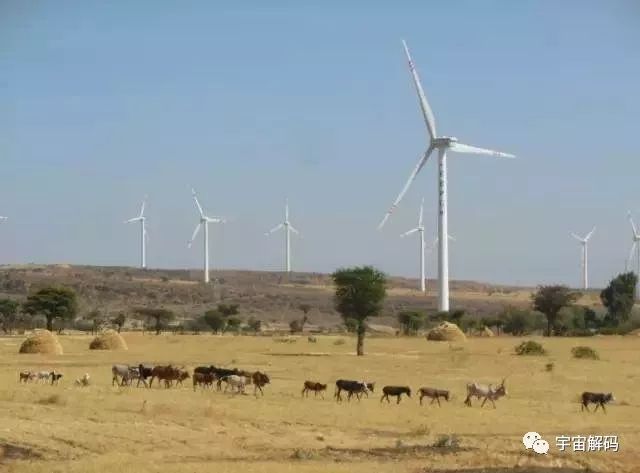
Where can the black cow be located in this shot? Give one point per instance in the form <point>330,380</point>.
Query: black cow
<point>145,372</point>
<point>599,399</point>
<point>396,391</point>
<point>352,387</point>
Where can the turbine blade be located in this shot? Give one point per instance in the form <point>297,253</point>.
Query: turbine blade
<point>195,198</point>
<point>576,237</point>
<point>409,232</point>
<point>134,219</point>
<point>215,219</point>
<point>429,119</point>
<point>286,210</point>
<point>462,148</point>
<point>421,212</point>
<point>404,190</point>
<point>451,238</point>
<point>144,203</point>
<point>589,234</point>
<point>633,248</point>
<point>274,229</point>
<point>195,233</point>
<point>293,230</point>
<point>4,218</point>
<point>633,225</point>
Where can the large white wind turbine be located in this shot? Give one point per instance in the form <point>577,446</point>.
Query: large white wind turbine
<point>204,220</point>
<point>143,233</point>
<point>288,228</point>
<point>584,242</point>
<point>635,246</point>
<point>442,144</point>
<point>420,230</point>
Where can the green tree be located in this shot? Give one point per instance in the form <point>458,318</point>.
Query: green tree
<point>228,309</point>
<point>455,316</point>
<point>52,303</point>
<point>233,324</point>
<point>119,320</point>
<point>161,316</point>
<point>410,321</point>
<point>618,298</point>
<point>351,325</point>
<point>516,321</point>
<point>295,326</point>
<point>254,324</point>
<point>550,300</point>
<point>360,293</point>
<point>97,320</point>
<point>8,314</point>
<point>215,320</point>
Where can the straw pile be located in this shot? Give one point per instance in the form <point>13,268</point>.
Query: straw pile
<point>42,341</point>
<point>486,332</point>
<point>108,340</point>
<point>446,332</point>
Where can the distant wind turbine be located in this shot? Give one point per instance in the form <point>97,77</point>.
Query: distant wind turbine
<point>584,242</point>
<point>442,144</point>
<point>420,230</point>
<point>634,247</point>
<point>143,233</point>
<point>288,228</point>
<point>204,220</point>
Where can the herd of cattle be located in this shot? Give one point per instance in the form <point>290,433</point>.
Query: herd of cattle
<point>237,380</point>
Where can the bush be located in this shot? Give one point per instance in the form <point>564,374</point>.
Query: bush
<point>339,341</point>
<point>530,348</point>
<point>584,352</point>
<point>447,441</point>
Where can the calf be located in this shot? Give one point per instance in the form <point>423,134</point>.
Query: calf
<point>434,394</point>
<point>43,376</point>
<point>315,387</point>
<point>235,381</point>
<point>599,399</point>
<point>488,392</point>
<point>55,377</point>
<point>396,391</point>
<point>203,379</point>
<point>84,381</point>
<point>259,380</point>
<point>26,376</point>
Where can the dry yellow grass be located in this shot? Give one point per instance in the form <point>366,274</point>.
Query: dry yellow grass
<point>103,428</point>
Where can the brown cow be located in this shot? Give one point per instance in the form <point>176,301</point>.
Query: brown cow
<point>203,379</point>
<point>315,387</point>
<point>168,374</point>
<point>259,380</point>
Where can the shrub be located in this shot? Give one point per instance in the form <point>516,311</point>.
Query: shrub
<point>339,341</point>
<point>584,352</point>
<point>530,348</point>
<point>549,367</point>
<point>447,441</point>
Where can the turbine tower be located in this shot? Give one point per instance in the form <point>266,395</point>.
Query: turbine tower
<point>143,233</point>
<point>288,228</point>
<point>420,230</point>
<point>204,220</point>
<point>442,144</point>
<point>634,247</point>
<point>584,242</point>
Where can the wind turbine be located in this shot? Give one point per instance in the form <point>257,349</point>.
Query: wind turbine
<point>634,247</point>
<point>584,242</point>
<point>204,220</point>
<point>143,233</point>
<point>288,228</point>
<point>420,230</point>
<point>442,144</point>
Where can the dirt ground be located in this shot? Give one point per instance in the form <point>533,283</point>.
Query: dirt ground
<point>100,428</point>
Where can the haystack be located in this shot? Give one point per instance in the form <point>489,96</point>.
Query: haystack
<point>486,332</point>
<point>446,332</point>
<point>42,341</point>
<point>108,340</point>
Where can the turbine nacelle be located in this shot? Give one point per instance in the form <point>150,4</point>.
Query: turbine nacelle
<point>443,141</point>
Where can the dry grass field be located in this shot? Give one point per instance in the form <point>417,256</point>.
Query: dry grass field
<point>102,428</point>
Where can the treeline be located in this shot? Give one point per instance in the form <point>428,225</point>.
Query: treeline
<point>553,311</point>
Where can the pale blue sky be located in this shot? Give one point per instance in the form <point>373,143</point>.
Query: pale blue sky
<point>103,102</point>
